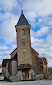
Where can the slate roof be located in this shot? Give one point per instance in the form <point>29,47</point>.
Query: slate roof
<point>22,20</point>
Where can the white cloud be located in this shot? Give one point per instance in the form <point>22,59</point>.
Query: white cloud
<point>8,31</point>
<point>4,47</point>
<point>6,51</point>
<point>39,7</point>
<point>13,47</point>
<point>32,39</point>
<point>4,57</point>
<point>8,5</point>
<point>42,32</point>
<point>45,21</point>
<point>43,46</point>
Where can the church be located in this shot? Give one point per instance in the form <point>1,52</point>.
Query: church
<point>24,63</point>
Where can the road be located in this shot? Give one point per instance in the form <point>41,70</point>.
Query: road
<point>40,82</point>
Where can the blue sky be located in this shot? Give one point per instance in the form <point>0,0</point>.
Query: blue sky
<point>38,14</point>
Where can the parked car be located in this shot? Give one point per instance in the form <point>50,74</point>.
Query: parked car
<point>1,77</point>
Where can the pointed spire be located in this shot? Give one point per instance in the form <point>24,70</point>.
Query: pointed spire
<point>22,20</point>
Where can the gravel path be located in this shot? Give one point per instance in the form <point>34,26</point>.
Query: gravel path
<point>41,82</point>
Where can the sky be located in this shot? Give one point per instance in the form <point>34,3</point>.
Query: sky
<point>39,15</point>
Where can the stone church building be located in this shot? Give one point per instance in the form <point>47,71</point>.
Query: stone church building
<point>24,62</point>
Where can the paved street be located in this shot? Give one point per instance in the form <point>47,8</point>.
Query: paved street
<point>41,82</point>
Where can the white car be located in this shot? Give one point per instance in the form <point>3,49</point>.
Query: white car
<point>1,77</point>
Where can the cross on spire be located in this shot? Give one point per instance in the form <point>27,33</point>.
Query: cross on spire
<point>22,9</point>
<point>21,6</point>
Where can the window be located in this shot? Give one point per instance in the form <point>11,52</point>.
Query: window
<point>23,32</point>
<point>23,40</point>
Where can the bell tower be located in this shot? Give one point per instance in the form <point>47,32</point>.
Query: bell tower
<point>23,40</point>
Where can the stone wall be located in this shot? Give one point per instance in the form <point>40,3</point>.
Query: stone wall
<point>45,67</point>
<point>4,71</point>
<point>39,77</point>
<point>37,63</point>
<point>7,73</point>
<point>24,48</point>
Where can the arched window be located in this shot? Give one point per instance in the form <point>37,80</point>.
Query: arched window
<point>23,32</point>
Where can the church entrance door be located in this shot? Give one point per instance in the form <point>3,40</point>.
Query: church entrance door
<point>25,74</point>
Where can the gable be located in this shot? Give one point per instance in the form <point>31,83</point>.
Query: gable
<point>13,53</point>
